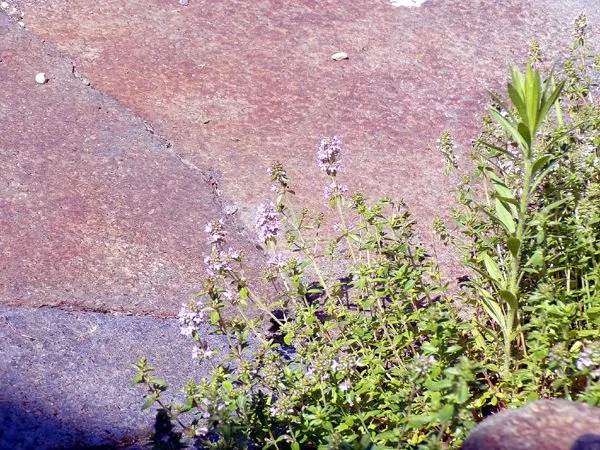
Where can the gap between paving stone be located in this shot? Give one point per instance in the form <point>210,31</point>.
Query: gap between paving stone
<point>97,214</point>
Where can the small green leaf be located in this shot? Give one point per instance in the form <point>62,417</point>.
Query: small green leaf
<point>536,260</point>
<point>288,338</point>
<point>227,385</point>
<point>493,270</point>
<point>437,386</point>
<point>137,379</point>
<point>513,244</point>
<point>446,413</point>
<point>214,317</point>
<point>149,402</point>
<point>462,393</point>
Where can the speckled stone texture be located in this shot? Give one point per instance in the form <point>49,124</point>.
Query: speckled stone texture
<point>158,117</point>
<point>96,212</point>
<point>237,85</point>
<point>65,378</point>
<point>541,425</point>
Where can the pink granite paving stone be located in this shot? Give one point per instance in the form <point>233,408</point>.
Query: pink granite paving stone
<point>237,84</point>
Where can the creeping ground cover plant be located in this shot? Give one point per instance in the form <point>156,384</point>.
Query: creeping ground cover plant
<point>352,341</point>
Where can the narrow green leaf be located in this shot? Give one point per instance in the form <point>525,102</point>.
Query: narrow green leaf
<point>550,101</point>
<point>509,298</point>
<point>493,270</point>
<point>498,149</point>
<point>532,98</point>
<point>493,310</point>
<point>552,206</point>
<point>505,217</point>
<point>541,176</point>
<point>510,129</point>
<point>517,100</point>
<point>517,81</point>
<point>539,164</point>
<point>526,134</point>
<point>513,244</point>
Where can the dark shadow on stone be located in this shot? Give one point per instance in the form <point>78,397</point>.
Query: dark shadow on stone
<point>165,437</point>
<point>22,429</point>
<point>587,442</point>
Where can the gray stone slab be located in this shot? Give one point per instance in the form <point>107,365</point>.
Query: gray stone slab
<point>65,378</point>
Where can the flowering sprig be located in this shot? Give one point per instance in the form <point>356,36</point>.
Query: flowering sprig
<point>580,25</point>
<point>329,155</point>
<point>191,316</point>
<point>215,231</point>
<point>267,223</point>
<point>589,359</point>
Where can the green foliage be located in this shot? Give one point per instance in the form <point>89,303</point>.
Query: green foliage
<point>358,344</point>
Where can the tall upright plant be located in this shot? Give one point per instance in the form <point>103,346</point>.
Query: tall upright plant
<point>532,101</point>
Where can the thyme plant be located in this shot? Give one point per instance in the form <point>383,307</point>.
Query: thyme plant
<point>351,340</point>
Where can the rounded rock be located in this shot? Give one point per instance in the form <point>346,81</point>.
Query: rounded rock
<point>40,78</point>
<point>339,56</point>
<point>4,5</point>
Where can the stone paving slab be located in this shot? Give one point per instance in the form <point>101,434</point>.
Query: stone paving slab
<point>240,84</point>
<point>96,212</point>
<point>65,377</point>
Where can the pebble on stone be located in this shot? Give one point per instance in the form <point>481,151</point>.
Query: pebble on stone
<point>339,56</point>
<point>230,210</point>
<point>21,23</point>
<point>184,2</point>
<point>40,78</point>
<point>4,5</point>
<point>407,3</point>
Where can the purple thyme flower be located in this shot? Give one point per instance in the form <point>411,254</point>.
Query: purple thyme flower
<point>267,222</point>
<point>329,155</point>
<point>589,359</point>
<point>202,351</point>
<point>215,232</point>
<point>190,317</point>
<point>276,261</point>
<point>334,190</point>
<point>218,263</point>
